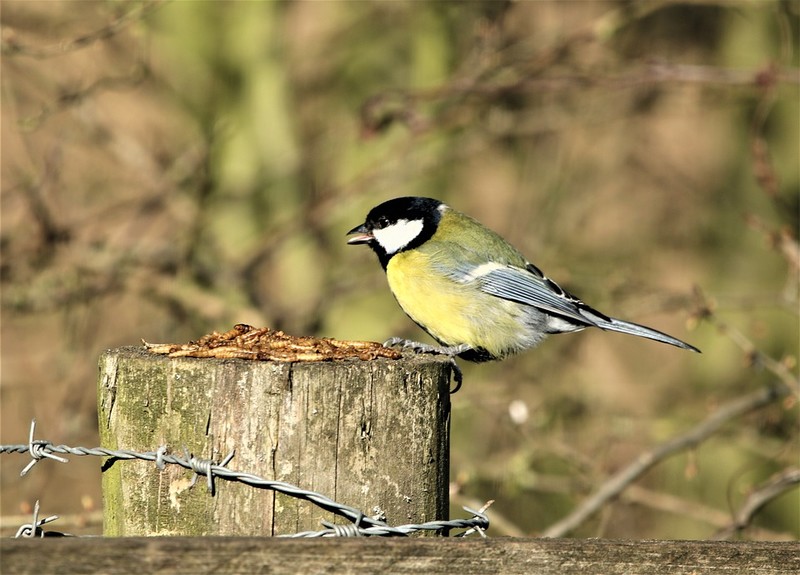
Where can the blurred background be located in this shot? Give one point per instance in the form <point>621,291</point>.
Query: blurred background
<point>173,168</point>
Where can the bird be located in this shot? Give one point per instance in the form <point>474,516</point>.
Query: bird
<point>471,290</point>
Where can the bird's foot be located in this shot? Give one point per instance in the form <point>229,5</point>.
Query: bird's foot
<point>450,351</point>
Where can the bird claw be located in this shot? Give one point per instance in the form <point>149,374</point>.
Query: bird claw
<point>458,376</point>
<point>450,351</point>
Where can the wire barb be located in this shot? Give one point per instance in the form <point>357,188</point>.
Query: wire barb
<point>33,529</point>
<point>160,452</point>
<point>203,467</point>
<point>479,514</point>
<point>38,449</point>
<point>347,530</point>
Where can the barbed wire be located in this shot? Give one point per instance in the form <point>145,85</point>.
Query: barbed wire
<point>362,524</point>
<point>33,529</point>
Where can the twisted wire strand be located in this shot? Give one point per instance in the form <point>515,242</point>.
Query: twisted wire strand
<point>361,524</point>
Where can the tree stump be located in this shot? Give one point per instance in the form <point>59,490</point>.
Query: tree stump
<point>373,435</point>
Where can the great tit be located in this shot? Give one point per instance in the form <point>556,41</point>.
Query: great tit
<point>471,290</point>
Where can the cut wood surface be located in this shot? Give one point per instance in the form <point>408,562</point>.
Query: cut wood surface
<point>416,555</point>
<point>369,434</point>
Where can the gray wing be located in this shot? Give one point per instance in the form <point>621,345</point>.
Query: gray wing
<point>530,287</point>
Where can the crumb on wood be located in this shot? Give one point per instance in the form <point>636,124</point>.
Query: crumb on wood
<point>247,342</point>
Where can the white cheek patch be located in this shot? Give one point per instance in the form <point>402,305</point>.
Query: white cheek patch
<point>397,236</point>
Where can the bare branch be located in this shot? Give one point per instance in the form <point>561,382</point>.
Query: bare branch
<point>771,489</point>
<point>138,73</point>
<point>612,488</point>
<point>11,48</point>
<point>636,494</point>
<point>779,369</point>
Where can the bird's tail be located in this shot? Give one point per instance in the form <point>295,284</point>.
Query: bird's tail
<point>612,324</point>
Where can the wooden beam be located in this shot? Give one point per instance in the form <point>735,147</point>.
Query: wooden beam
<point>477,556</point>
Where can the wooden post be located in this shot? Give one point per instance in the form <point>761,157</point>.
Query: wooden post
<point>370,434</point>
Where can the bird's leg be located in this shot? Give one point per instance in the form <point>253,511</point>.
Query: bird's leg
<point>450,351</point>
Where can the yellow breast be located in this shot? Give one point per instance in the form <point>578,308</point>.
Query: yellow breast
<point>442,306</point>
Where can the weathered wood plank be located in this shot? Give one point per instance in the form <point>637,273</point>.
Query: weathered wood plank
<point>369,434</point>
<point>415,555</point>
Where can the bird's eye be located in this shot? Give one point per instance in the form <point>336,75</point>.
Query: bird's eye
<point>382,222</point>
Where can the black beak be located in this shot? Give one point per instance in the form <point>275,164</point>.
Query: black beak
<point>365,235</point>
